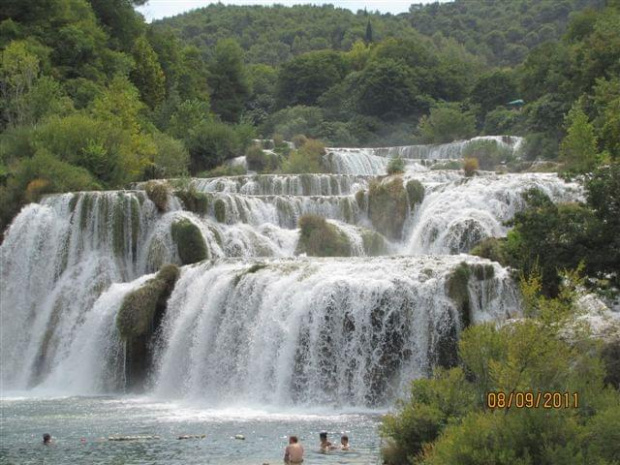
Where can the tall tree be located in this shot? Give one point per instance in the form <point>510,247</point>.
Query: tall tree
<point>228,81</point>
<point>148,76</point>
<point>368,36</point>
<point>578,149</point>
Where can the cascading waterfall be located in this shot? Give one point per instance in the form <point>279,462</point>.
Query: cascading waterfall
<point>315,331</point>
<point>374,161</point>
<point>254,322</point>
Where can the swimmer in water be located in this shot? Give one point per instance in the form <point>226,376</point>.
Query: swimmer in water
<point>47,439</point>
<point>325,445</point>
<point>344,443</point>
<point>294,452</point>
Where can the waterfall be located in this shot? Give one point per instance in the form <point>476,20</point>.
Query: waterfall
<point>253,321</point>
<point>345,332</point>
<point>374,161</point>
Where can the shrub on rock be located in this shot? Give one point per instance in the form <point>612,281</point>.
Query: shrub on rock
<point>158,193</point>
<point>193,201</point>
<point>470,166</point>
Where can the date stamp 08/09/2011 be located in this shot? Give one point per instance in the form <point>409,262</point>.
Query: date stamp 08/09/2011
<point>527,400</point>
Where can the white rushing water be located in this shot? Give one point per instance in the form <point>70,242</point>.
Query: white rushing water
<point>374,161</point>
<point>255,322</point>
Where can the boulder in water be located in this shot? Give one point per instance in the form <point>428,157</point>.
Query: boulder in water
<point>136,314</point>
<point>318,238</point>
<point>220,210</point>
<point>374,243</point>
<point>415,192</point>
<point>158,193</point>
<point>193,201</point>
<point>138,319</point>
<point>387,206</point>
<point>190,243</point>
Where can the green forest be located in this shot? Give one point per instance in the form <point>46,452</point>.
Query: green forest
<point>94,98</point>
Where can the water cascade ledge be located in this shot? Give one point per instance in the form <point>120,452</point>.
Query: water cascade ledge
<point>305,331</point>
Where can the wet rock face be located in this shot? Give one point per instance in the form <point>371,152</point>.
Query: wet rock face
<point>190,242</point>
<point>318,238</point>
<point>415,192</point>
<point>387,206</point>
<point>457,288</point>
<point>138,320</point>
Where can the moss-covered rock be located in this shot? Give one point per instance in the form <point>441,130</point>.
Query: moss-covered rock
<point>483,271</point>
<point>387,206</point>
<point>158,191</point>
<point>219,208</point>
<point>193,201</point>
<point>190,244</point>
<point>360,198</point>
<point>318,238</point>
<point>491,248</point>
<point>415,192</point>
<point>374,243</point>
<point>457,288</point>
<point>138,320</point>
<point>137,314</point>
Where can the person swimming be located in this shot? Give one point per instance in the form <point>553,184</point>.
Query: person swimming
<point>344,443</point>
<point>294,452</point>
<point>325,445</point>
<point>47,439</point>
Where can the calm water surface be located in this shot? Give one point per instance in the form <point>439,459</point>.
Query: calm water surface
<point>69,419</point>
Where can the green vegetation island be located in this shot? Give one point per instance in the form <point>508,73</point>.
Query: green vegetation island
<point>311,208</point>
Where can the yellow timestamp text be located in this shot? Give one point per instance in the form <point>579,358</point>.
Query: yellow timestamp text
<point>530,399</point>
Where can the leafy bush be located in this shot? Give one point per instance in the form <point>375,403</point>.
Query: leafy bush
<point>256,158</point>
<point>171,158</point>
<point>224,170</point>
<point>295,120</point>
<point>299,140</point>
<point>318,238</point>
<point>447,122</point>
<point>491,248</point>
<point>158,193</point>
<point>396,166</point>
<point>193,200</point>
<point>307,159</point>
<point>446,420</point>
<point>211,143</point>
<point>489,153</point>
<point>470,166</point>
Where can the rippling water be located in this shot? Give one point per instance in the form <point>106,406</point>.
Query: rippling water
<point>69,419</point>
